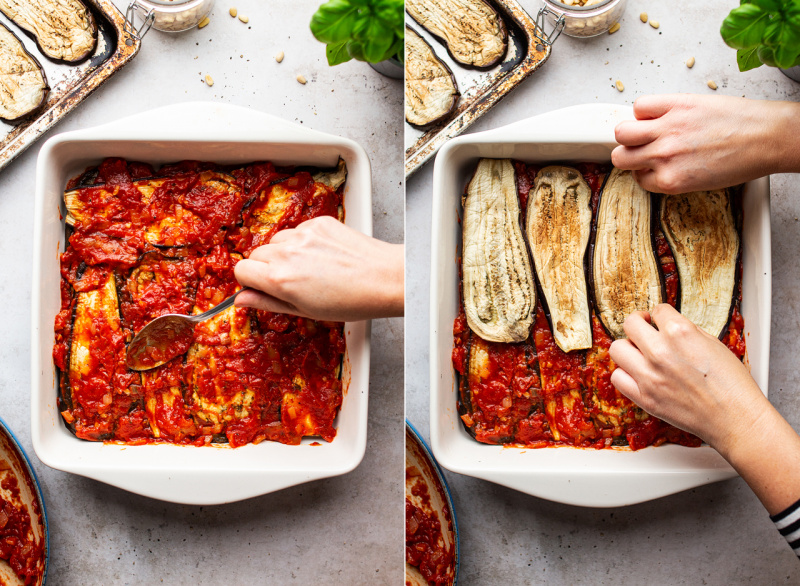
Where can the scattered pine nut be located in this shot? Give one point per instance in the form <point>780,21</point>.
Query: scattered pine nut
<point>244,19</point>
<point>301,79</point>
<point>711,84</point>
<point>233,12</point>
<point>655,23</point>
<point>614,28</point>
<point>204,22</point>
<point>643,17</point>
<point>620,87</point>
<point>209,80</point>
<point>690,62</point>
<point>279,57</point>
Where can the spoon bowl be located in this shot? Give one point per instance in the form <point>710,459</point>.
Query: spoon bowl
<point>168,336</point>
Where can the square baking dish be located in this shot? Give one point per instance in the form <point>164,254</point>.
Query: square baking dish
<point>585,477</point>
<point>186,474</point>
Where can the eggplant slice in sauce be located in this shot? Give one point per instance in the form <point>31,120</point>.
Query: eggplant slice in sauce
<point>431,89</point>
<point>64,30</point>
<point>625,271</point>
<point>333,179</point>
<point>701,231</point>
<point>558,227</point>
<point>23,85</point>
<point>473,32</point>
<point>499,292</point>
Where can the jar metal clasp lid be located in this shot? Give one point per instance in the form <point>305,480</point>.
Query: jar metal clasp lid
<point>130,23</point>
<point>558,27</point>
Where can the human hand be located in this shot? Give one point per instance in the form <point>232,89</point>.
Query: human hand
<point>691,380</point>
<point>324,270</point>
<point>682,142</point>
<point>686,377</point>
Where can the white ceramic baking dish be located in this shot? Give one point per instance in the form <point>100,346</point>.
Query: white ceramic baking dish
<point>208,475</point>
<point>596,478</point>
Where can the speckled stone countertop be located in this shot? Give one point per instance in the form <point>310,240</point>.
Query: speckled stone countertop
<point>345,530</point>
<point>717,534</point>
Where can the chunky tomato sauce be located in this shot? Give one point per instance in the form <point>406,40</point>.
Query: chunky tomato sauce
<point>18,545</point>
<point>533,394</point>
<point>425,545</point>
<point>145,244</point>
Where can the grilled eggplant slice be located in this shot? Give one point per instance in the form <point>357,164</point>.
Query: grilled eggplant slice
<point>215,394</point>
<point>97,342</point>
<point>23,85</point>
<point>702,233</point>
<point>333,179</point>
<point>625,273</point>
<point>473,32</point>
<point>64,30</point>
<point>431,89</point>
<point>499,293</point>
<point>558,227</point>
<point>196,211</point>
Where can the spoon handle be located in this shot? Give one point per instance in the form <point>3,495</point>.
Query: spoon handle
<point>218,308</point>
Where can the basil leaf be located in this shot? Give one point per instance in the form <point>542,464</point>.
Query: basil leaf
<point>784,39</point>
<point>767,55</point>
<point>767,5</point>
<point>747,59</point>
<point>398,50</point>
<point>337,53</point>
<point>744,26</point>
<point>356,50</point>
<point>333,22</point>
<point>376,38</point>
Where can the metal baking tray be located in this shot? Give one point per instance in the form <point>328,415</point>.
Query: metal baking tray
<point>528,48</point>
<point>71,84</point>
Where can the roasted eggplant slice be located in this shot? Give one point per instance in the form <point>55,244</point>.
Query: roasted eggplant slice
<point>200,214</point>
<point>431,89</point>
<point>558,227</point>
<point>64,30</point>
<point>701,231</point>
<point>473,31</point>
<point>218,394</point>
<point>23,85</point>
<point>333,179</point>
<point>97,343</point>
<point>625,272</point>
<point>499,292</point>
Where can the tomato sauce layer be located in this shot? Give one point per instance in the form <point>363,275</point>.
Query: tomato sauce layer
<point>18,545</point>
<point>533,394</point>
<point>425,545</point>
<point>145,244</point>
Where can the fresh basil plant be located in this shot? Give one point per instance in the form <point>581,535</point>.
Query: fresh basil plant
<point>764,32</point>
<point>365,30</point>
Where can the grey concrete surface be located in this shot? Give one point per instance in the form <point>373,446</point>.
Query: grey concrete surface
<point>717,534</point>
<point>345,530</point>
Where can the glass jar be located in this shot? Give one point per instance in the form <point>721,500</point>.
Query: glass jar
<point>586,21</point>
<point>172,16</point>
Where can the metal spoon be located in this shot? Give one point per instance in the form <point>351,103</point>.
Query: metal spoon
<point>168,336</point>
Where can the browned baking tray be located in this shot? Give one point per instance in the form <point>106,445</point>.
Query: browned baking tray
<point>528,48</point>
<point>71,84</point>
